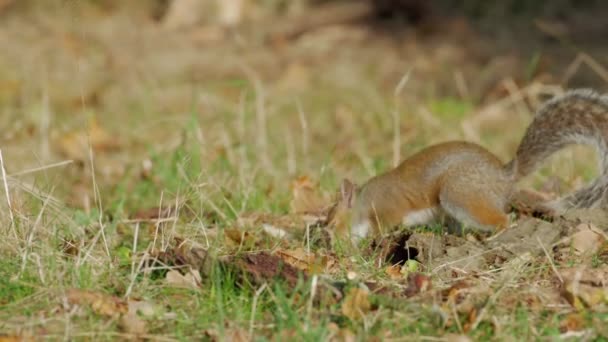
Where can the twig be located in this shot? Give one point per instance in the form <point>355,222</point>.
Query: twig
<point>304,126</point>
<point>396,122</point>
<point>30,237</point>
<point>8,196</point>
<point>313,292</point>
<point>561,280</point>
<point>254,305</point>
<point>41,168</point>
<point>583,58</point>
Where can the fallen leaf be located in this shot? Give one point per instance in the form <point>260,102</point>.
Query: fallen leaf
<point>133,324</point>
<point>183,253</point>
<point>295,78</point>
<point>154,213</point>
<point>297,258</point>
<point>394,272</point>
<point>417,283</point>
<point>70,247</point>
<point>75,144</point>
<point>229,334</point>
<point>356,304</point>
<point>572,322</point>
<point>190,280</point>
<point>585,287</point>
<point>275,232</point>
<point>587,240</point>
<point>307,198</point>
<point>239,237</point>
<point>15,338</point>
<point>100,303</point>
<point>144,308</point>
<point>457,338</point>
<point>341,334</point>
<point>8,338</point>
<point>237,335</point>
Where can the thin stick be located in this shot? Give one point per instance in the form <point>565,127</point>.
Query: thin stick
<point>98,200</point>
<point>561,280</point>
<point>583,58</point>
<point>258,293</point>
<point>41,168</point>
<point>134,250</point>
<point>291,153</point>
<point>313,293</point>
<point>158,223</point>
<point>132,282</point>
<point>396,122</point>
<point>241,130</point>
<point>261,115</point>
<point>304,125</point>
<point>8,196</point>
<point>30,237</point>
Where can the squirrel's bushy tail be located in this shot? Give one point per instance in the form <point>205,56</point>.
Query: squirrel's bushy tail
<point>577,117</point>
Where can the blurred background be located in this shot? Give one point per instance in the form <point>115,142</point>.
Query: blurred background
<point>272,89</point>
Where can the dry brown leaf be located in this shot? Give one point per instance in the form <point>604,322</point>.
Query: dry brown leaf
<point>191,280</point>
<point>394,272</point>
<point>308,262</point>
<point>457,338</point>
<point>230,334</point>
<point>297,258</point>
<point>572,322</point>
<point>585,287</point>
<point>240,237</point>
<point>307,198</point>
<point>295,78</point>
<point>133,324</point>
<point>587,240</point>
<point>75,144</point>
<point>154,213</point>
<point>100,303</point>
<point>417,283</point>
<point>144,308</point>
<point>356,304</point>
<point>15,338</point>
<point>341,334</point>
<point>275,232</point>
<point>237,335</point>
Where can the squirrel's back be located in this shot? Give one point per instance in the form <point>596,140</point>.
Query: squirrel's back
<point>577,117</point>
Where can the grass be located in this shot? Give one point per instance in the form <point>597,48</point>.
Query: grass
<point>218,153</point>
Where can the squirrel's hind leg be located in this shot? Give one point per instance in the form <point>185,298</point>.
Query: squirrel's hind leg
<point>474,207</point>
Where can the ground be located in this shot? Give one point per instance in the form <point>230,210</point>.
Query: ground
<point>175,184</point>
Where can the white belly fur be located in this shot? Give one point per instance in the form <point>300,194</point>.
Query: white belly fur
<point>359,230</point>
<point>423,216</point>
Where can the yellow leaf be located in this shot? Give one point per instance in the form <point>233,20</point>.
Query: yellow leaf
<point>133,324</point>
<point>394,272</point>
<point>75,144</point>
<point>190,280</point>
<point>100,303</point>
<point>587,240</point>
<point>356,304</point>
<point>306,197</point>
<point>297,258</point>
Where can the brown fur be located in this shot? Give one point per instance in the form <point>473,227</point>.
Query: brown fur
<point>470,184</point>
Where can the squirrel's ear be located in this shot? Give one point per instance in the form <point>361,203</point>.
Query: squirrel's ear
<point>347,192</point>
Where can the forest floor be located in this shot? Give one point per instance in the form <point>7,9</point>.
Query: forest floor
<point>175,185</point>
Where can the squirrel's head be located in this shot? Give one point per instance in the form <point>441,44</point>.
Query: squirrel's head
<point>340,215</point>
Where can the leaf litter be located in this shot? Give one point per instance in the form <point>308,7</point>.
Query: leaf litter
<point>461,274</point>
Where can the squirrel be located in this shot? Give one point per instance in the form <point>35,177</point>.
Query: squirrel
<point>463,181</point>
